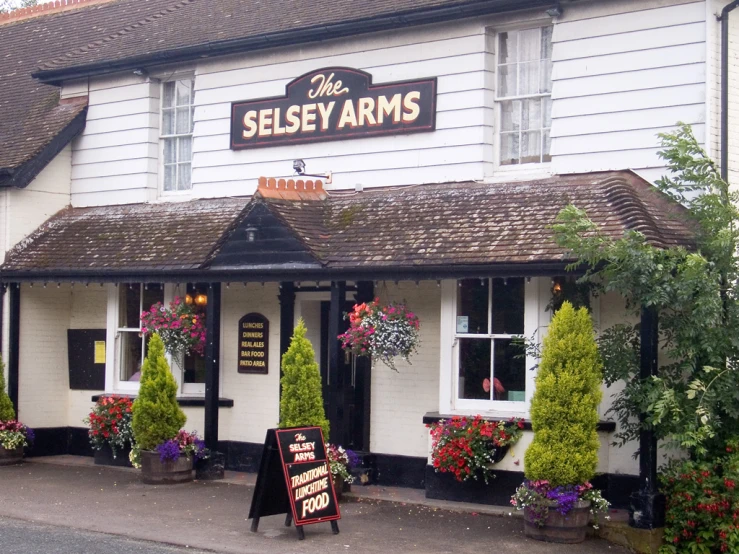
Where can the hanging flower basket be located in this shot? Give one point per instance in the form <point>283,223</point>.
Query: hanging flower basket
<point>181,328</point>
<point>382,332</point>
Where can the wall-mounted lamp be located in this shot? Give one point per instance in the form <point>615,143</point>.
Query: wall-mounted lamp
<point>201,300</point>
<point>251,234</point>
<point>555,11</point>
<point>140,72</point>
<point>299,167</point>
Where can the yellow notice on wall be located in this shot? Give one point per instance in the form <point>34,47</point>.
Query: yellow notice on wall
<point>99,351</point>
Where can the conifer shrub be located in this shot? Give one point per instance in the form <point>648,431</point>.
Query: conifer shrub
<point>156,415</point>
<point>7,412</point>
<point>564,408</point>
<point>301,404</point>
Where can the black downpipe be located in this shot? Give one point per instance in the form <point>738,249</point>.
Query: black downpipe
<point>724,19</point>
<point>2,315</point>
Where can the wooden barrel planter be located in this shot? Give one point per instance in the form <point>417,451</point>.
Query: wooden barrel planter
<point>338,486</point>
<point>568,529</point>
<point>156,472</point>
<point>11,457</point>
<point>104,457</point>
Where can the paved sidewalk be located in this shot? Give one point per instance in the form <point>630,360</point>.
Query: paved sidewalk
<point>213,516</point>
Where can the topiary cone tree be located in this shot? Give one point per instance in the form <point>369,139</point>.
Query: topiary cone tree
<point>7,412</point>
<point>301,404</point>
<point>564,408</point>
<point>156,415</point>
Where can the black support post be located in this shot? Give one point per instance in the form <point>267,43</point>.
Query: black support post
<point>647,509</point>
<point>2,314</point>
<point>212,467</point>
<point>338,300</point>
<point>287,318</point>
<point>14,343</point>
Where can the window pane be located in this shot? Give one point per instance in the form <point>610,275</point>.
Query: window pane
<point>168,121</point>
<point>509,371</point>
<point>529,46</point>
<point>168,94</point>
<point>545,76</point>
<point>531,114</point>
<point>153,293</point>
<point>183,125</point>
<point>474,369</point>
<point>510,115</point>
<point>507,47</point>
<point>184,149</point>
<point>507,81</point>
<point>547,109</point>
<point>170,152</point>
<point>472,303</point>
<point>130,362</point>
<point>183,93</point>
<point>546,42</point>
<point>129,305</point>
<point>170,177</point>
<point>531,147</point>
<point>508,304</point>
<point>183,176</point>
<point>509,148</point>
<point>528,78</point>
<point>547,154</point>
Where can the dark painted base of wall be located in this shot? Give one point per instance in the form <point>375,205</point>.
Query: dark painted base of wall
<point>384,469</point>
<point>616,488</point>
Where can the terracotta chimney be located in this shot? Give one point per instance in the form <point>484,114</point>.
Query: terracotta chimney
<point>291,190</point>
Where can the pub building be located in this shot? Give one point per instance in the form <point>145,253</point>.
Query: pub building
<point>270,165</point>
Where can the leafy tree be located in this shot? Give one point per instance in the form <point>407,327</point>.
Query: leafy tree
<point>693,402</point>
<point>10,5</point>
<point>564,409</point>
<point>7,413</point>
<point>302,400</point>
<point>156,415</point>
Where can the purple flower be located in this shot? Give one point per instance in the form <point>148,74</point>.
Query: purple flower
<point>169,451</point>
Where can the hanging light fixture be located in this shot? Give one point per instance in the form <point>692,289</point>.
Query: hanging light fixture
<point>201,299</point>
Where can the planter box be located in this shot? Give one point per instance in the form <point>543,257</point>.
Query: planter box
<point>11,457</point>
<point>156,472</point>
<point>568,529</point>
<point>104,457</point>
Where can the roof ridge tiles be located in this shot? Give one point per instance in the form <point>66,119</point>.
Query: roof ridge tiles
<point>631,209</point>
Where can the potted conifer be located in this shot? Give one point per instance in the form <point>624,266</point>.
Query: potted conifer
<point>557,497</point>
<point>13,434</point>
<point>157,419</point>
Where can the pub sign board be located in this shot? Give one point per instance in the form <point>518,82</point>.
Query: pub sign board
<point>295,479</point>
<point>253,356</point>
<point>335,103</point>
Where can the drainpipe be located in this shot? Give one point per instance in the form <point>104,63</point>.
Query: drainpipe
<point>724,19</point>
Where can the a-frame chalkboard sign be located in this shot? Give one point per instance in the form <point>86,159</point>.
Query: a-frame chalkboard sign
<point>295,479</point>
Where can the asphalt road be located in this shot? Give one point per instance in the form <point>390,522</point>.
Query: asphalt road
<point>22,537</point>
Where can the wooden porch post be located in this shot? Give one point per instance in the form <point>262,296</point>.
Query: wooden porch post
<point>14,342</point>
<point>212,365</point>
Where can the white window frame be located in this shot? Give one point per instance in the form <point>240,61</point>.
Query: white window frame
<point>113,382</point>
<point>536,321</point>
<point>174,78</point>
<point>542,166</point>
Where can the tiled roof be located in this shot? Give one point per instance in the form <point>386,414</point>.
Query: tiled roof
<point>30,114</point>
<point>425,226</point>
<point>204,27</point>
<point>167,236</point>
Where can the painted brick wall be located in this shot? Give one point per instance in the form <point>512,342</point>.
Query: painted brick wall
<point>400,400</point>
<point>43,379</point>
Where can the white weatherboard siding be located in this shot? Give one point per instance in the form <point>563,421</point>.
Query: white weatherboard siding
<point>620,77</point>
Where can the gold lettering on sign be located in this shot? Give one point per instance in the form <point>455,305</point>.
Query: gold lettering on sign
<point>326,87</point>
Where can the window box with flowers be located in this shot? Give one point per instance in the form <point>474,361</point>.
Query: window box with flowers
<point>110,430</point>
<point>382,332</point>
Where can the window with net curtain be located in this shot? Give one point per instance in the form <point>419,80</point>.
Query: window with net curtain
<point>176,134</point>
<point>524,95</point>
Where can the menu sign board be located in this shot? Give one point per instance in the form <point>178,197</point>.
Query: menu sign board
<point>335,103</point>
<point>253,356</point>
<point>295,478</point>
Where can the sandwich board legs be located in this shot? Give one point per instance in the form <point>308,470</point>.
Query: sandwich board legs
<point>288,520</point>
<point>254,524</point>
<point>335,527</point>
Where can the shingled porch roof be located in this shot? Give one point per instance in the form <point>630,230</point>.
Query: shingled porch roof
<point>428,229</point>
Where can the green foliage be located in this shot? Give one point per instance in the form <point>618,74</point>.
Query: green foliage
<point>7,412</point>
<point>564,409</point>
<point>694,401</point>
<point>702,504</point>
<point>301,404</point>
<point>10,5</point>
<point>156,415</point>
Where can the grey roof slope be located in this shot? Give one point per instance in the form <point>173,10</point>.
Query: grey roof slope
<point>429,226</point>
<point>30,113</point>
<point>192,28</point>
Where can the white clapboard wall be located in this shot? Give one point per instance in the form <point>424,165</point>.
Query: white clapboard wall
<point>623,71</point>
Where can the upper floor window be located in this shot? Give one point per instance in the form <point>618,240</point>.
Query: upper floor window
<point>176,134</point>
<point>524,95</point>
